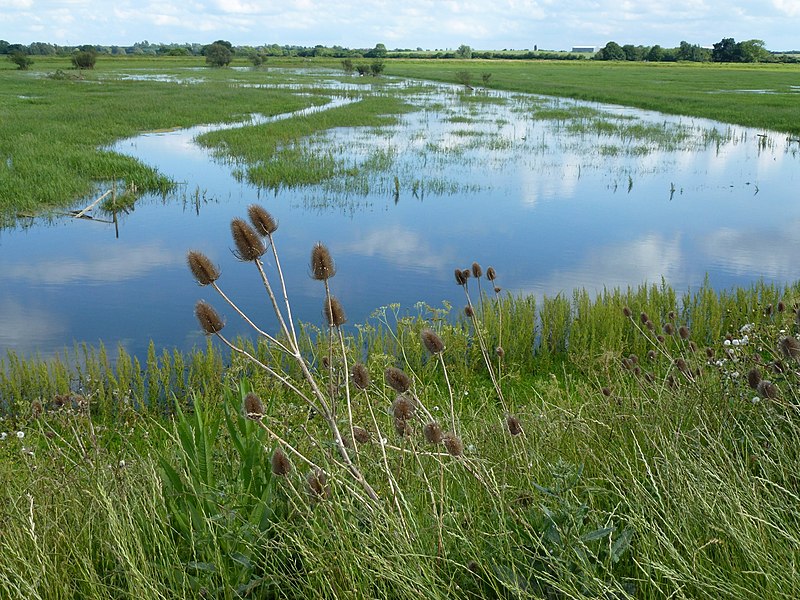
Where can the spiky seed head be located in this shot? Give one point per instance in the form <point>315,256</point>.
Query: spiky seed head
<point>454,445</point>
<point>360,376</point>
<point>432,342</point>
<point>683,332</point>
<point>753,378</point>
<point>634,359</point>
<point>322,266</point>
<point>649,377</point>
<point>403,407</point>
<point>253,408</point>
<point>401,427</point>
<point>650,325</point>
<point>637,370</point>
<point>683,367</point>
<point>202,268</point>
<point>627,312</point>
<point>500,352</point>
<point>334,313</point>
<point>692,347</point>
<point>280,463</point>
<point>262,221</point>
<point>466,273</point>
<point>513,425</point>
<point>491,274</point>
<point>468,311</point>
<point>397,379</point>
<point>433,432</point>
<point>248,243</point>
<point>644,318</point>
<point>709,352</point>
<point>651,355</point>
<point>660,338</point>
<point>790,347</point>
<point>669,329</point>
<point>460,278</point>
<point>606,391</point>
<point>671,315</point>
<point>477,272</point>
<point>317,484</point>
<point>361,435</point>
<point>497,289</point>
<point>777,366</point>
<point>209,319</point>
<point>781,306</point>
<point>767,389</point>
<point>768,310</point>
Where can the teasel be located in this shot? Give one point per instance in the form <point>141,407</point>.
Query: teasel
<point>461,278</point>
<point>360,376</point>
<point>202,268</point>
<point>683,332</point>
<point>710,352</point>
<point>513,425</point>
<point>334,313</point>
<point>790,347</point>
<point>500,352</point>
<point>627,312</point>
<point>397,379</point>
<point>469,311</point>
<point>401,427</point>
<point>361,435</point>
<point>651,355</point>
<point>753,378</point>
<point>669,329</point>
<point>453,444</point>
<point>322,265</point>
<point>432,342</point>
<point>491,274</point>
<point>209,319</point>
<point>280,463</point>
<point>477,272</point>
<point>403,407</point>
<point>682,365</point>
<point>671,315</point>
<point>249,246</point>
<point>317,484</point>
<point>253,408</point>
<point>262,221</point>
<point>606,392</point>
<point>781,306</point>
<point>767,389</point>
<point>644,318</point>
<point>650,325</point>
<point>432,432</point>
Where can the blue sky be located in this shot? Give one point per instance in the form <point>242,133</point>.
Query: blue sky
<point>429,24</point>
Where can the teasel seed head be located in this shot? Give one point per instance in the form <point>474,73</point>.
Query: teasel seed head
<point>644,318</point>
<point>202,268</point>
<point>334,313</point>
<point>432,432</point>
<point>477,272</point>
<point>753,378</point>
<point>262,221</point>
<point>322,266</point>
<point>397,379</point>
<point>683,332</point>
<point>248,243</point>
<point>461,279</point>
<point>453,444</point>
<point>253,408</point>
<point>317,484</point>
<point>634,359</point>
<point>660,338</point>
<point>709,352</point>
<point>692,347</point>
<point>781,306</point>
<point>627,312</point>
<point>468,311</point>
<point>683,367</point>
<point>650,325</point>
<point>513,425</point>
<point>361,435</point>
<point>280,463</point>
<point>671,315</point>
<point>669,329</point>
<point>432,342</point>
<point>401,427</point>
<point>403,407</point>
<point>360,376</point>
<point>651,355</point>
<point>497,289</point>
<point>209,319</point>
<point>768,310</point>
<point>491,275</point>
<point>767,389</point>
<point>790,347</point>
<point>500,352</point>
<point>606,392</point>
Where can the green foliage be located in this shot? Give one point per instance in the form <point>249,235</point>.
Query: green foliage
<point>22,60</point>
<point>218,54</point>
<point>611,51</point>
<point>464,51</point>
<point>84,59</point>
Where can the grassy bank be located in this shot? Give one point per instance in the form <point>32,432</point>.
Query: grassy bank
<point>606,461</point>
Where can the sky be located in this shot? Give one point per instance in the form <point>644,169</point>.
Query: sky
<point>427,24</point>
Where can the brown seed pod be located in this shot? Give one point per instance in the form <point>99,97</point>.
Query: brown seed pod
<point>606,391</point>
<point>789,347</point>
<point>781,306</point>
<point>627,311</point>
<point>477,272</point>
<point>500,352</point>
<point>669,328</point>
<point>454,445</point>
<point>253,408</point>
<point>644,318</point>
<point>262,221</point>
<point>683,332</point>
<point>432,342</point>
<point>432,432</point>
<point>401,427</point>
<point>317,485</point>
<point>209,319</point>
<point>497,289</point>
<point>248,243</point>
<point>650,325</point>
<point>361,435</point>
<point>334,313</point>
<point>322,266</point>
<point>360,376</point>
<point>513,425</point>
<point>461,279</point>
<point>491,274</point>
<point>468,311</point>
<point>767,389</point>
<point>403,407</point>
<point>753,378</point>
<point>651,355</point>
<point>397,379</point>
<point>202,268</point>
<point>280,463</point>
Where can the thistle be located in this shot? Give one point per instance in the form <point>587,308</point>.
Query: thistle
<point>789,347</point>
<point>253,408</point>
<point>202,268</point>
<point>491,274</point>
<point>477,272</point>
<point>683,332</point>
<point>209,319</point>
<point>403,407</point>
<point>453,444</point>
<point>461,278</point>
<point>360,376</point>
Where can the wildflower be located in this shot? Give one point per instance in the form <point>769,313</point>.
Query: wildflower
<point>20,435</point>
<point>3,435</point>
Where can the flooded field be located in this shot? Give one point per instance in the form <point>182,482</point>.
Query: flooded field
<point>554,194</point>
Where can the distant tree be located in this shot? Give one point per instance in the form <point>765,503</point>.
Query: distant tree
<point>258,58</point>
<point>726,50</point>
<point>655,54</point>
<point>464,51</point>
<point>634,53</point>
<point>464,78</point>
<point>84,59</point>
<point>363,69</point>
<point>22,60</point>
<point>379,51</point>
<point>611,51</point>
<point>692,52</point>
<point>4,47</point>
<point>376,67</point>
<point>347,66</point>
<point>218,55</point>
<point>752,51</point>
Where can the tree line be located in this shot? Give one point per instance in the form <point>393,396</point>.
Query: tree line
<point>726,50</point>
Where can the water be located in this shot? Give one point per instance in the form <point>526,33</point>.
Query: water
<point>551,204</point>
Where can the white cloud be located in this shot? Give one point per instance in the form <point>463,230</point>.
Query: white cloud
<point>791,8</point>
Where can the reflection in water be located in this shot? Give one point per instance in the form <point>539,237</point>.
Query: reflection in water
<point>553,193</point>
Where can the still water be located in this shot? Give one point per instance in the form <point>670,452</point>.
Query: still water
<point>606,197</point>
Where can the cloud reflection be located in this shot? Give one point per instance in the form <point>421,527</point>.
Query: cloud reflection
<point>769,253</point>
<point>400,246</point>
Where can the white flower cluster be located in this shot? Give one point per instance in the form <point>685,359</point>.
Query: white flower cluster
<point>4,435</point>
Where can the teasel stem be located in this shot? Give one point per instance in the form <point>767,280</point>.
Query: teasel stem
<point>283,287</point>
<point>482,344</point>
<point>449,390</point>
<point>292,450</point>
<point>275,308</point>
<point>329,304</point>
<point>347,386</point>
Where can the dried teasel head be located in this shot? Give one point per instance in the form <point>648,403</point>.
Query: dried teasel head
<point>403,407</point>
<point>627,312</point>
<point>461,279</point>
<point>432,342</point>
<point>500,352</point>
<point>360,376</point>
<point>401,427</point>
<point>361,435</point>
<point>322,266</point>
<point>669,328</point>
<point>334,313</point>
<point>477,272</point>
<point>469,311</point>
<point>767,389</point>
<point>781,306</point>
<point>209,319</point>
<point>644,318</point>
<point>491,274</point>
<point>280,463</point>
<point>253,408</point>
<point>513,425</point>
<point>683,332</point>
<point>202,268</point>
<point>453,444</point>
<point>317,485</point>
<point>753,378</point>
<point>789,347</point>
<point>433,432</point>
<point>262,221</point>
<point>248,243</point>
<point>397,379</point>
